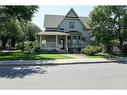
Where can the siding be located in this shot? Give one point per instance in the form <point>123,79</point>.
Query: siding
<point>78,27</point>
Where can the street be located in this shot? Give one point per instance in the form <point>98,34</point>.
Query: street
<point>79,76</point>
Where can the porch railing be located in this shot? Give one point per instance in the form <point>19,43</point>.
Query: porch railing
<point>75,43</point>
<point>49,45</point>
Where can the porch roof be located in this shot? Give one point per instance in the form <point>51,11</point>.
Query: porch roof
<point>52,33</point>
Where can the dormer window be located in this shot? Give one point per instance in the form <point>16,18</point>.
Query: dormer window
<point>71,25</point>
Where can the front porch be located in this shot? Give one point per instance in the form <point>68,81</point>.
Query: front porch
<point>52,41</point>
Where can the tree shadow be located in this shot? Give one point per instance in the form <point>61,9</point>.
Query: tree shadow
<point>20,72</point>
<point>124,62</point>
<point>118,60</point>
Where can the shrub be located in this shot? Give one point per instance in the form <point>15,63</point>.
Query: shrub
<point>37,49</point>
<point>21,46</point>
<point>91,50</point>
<point>27,46</point>
<point>116,51</point>
<point>5,53</point>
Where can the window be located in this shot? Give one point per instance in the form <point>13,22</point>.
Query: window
<point>71,24</point>
<point>74,37</point>
<point>79,37</point>
<point>61,30</point>
<point>69,37</point>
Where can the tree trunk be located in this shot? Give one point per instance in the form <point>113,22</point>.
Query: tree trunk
<point>12,42</point>
<point>120,35</point>
<point>121,46</point>
<point>4,42</point>
<point>108,48</point>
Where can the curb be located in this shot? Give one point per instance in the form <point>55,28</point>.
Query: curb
<point>52,64</point>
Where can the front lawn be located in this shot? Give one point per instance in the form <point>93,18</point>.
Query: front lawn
<point>99,55</point>
<point>28,56</point>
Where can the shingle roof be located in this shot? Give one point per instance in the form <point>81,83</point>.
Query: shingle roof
<point>54,20</point>
<point>84,20</point>
<point>51,33</point>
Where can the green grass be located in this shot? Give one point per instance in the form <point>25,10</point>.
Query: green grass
<point>26,56</point>
<point>99,55</point>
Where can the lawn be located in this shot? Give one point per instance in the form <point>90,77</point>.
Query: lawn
<point>99,55</point>
<point>28,56</point>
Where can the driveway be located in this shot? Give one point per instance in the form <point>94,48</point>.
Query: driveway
<point>75,56</point>
<point>80,76</point>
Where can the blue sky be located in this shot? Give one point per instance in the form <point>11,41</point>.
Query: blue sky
<point>38,18</point>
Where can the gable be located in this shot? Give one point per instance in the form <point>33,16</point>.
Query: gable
<point>66,25</point>
<point>55,20</point>
<point>71,14</point>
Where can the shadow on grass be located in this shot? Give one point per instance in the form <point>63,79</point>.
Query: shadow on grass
<point>120,59</point>
<point>20,72</point>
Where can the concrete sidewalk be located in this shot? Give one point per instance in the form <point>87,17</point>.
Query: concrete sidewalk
<point>77,59</point>
<point>53,62</point>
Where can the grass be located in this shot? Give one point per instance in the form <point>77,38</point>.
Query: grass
<point>99,55</point>
<point>28,56</point>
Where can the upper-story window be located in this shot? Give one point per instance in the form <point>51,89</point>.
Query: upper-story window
<point>61,30</point>
<point>71,25</point>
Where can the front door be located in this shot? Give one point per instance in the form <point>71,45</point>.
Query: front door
<point>61,42</point>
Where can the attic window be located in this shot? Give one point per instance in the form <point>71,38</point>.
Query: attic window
<point>71,24</point>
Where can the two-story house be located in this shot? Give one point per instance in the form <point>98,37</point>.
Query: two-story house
<point>67,33</point>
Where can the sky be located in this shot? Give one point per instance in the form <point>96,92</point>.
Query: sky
<point>38,18</point>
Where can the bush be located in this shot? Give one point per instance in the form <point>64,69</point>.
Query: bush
<point>91,50</point>
<point>116,51</point>
<point>27,46</point>
<point>5,53</point>
<point>37,49</point>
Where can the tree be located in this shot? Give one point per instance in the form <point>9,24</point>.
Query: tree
<point>21,13</point>
<point>109,24</point>
<point>12,20</point>
<point>30,31</point>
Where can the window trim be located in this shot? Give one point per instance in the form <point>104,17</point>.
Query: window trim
<point>71,26</point>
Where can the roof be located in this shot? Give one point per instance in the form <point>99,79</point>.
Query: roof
<point>54,20</point>
<point>51,33</point>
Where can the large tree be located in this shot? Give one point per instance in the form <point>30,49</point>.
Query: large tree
<point>12,20</point>
<point>109,23</point>
<point>30,30</point>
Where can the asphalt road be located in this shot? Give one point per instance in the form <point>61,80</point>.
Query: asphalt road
<point>83,76</point>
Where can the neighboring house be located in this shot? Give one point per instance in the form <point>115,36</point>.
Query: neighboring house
<point>67,33</point>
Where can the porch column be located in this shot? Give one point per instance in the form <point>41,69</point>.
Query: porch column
<point>56,42</point>
<point>66,44</point>
<point>40,41</point>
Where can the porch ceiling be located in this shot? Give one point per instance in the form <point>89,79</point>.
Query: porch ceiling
<point>51,33</point>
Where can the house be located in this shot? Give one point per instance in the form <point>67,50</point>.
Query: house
<point>67,33</point>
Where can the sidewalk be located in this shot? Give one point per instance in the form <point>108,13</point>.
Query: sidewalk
<point>77,60</point>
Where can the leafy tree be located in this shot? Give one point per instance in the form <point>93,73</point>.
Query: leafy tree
<point>21,13</point>
<point>108,24</point>
<point>12,20</point>
<point>30,31</point>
